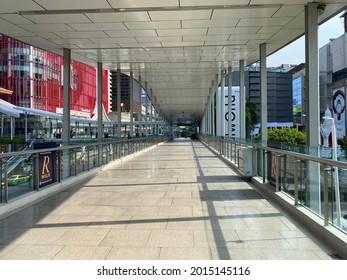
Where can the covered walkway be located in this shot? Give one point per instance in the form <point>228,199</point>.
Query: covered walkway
<point>177,201</point>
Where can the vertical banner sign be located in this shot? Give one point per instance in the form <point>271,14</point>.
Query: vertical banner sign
<point>339,111</point>
<point>46,165</point>
<point>235,112</point>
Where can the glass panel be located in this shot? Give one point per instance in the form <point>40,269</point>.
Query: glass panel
<point>20,176</point>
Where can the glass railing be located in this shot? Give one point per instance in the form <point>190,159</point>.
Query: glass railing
<point>316,183</point>
<point>41,168</point>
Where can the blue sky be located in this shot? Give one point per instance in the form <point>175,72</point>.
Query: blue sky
<point>295,52</point>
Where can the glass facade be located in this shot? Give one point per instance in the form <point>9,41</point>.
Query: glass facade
<point>35,76</point>
<point>297,101</point>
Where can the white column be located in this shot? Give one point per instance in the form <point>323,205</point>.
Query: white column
<point>140,111</point>
<point>155,117</point>
<point>146,117</point>
<point>99,100</point>
<point>312,104</point>
<point>312,75</point>
<point>242,101</point>
<point>222,105</point>
<point>208,126</point>
<point>99,108</point>
<point>212,111</point>
<point>229,100</point>
<point>151,115</point>
<point>263,93</point>
<point>119,101</point>
<point>131,82</point>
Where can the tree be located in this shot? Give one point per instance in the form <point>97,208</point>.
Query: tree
<point>287,135</point>
<point>251,117</point>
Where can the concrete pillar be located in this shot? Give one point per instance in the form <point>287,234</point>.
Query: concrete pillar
<point>99,100</point>
<point>263,93</point>
<point>312,105</point>
<point>140,110</point>
<point>221,119</point>
<point>209,114</point>
<point>146,113</point>
<point>242,100</point>
<point>66,133</point>
<point>312,75</point>
<point>66,96</point>
<point>213,110</point>
<point>131,81</point>
<point>229,100</point>
<point>151,113</point>
<point>263,108</point>
<point>155,116</point>
<point>99,108</point>
<point>119,101</point>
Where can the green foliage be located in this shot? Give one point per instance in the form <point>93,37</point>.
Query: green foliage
<point>287,135</point>
<point>189,132</point>
<point>14,141</point>
<point>251,117</point>
<point>344,143</point>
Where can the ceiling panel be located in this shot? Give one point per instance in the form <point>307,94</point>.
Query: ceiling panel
<point>174,24</point>
<point>73,5</point>
<point>12,6</point>
<point>210,23</point>
<point>82,34</point>
<point>61,18</point>
<point>181,32</point>
<point>158,39</point>
<point>205,38</point>
<point>98,26</point>
<point>132,33</point>
<point>182,44</point>
<point>291,11</point>
<point>264,21</point>
<point>12,30</point>
<point>234,30</point>
<point>16,19</point>
<point>213,3</point>
<point>143,3</point>
<point>251,12</point>
<point>289,2</point>
<point>118,17</point>
<point>46,27</point>
<point>180,15</point>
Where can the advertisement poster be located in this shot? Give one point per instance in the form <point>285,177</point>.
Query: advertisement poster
<point>339,112</point>
<point>46,165</point>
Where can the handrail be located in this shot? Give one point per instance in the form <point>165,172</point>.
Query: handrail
<point>287,153</point>
<point>68,161</point>
<point>326,205</point>
<point>62,148</point>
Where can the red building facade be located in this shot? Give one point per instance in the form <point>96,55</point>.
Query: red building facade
<point>35,77</point>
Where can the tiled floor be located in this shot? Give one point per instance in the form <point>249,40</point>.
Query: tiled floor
<point>177,201</point>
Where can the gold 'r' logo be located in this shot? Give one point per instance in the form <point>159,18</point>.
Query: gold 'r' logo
<point>46,161</point>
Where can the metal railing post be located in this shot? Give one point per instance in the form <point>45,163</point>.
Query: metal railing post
<point>296,187</point>
<point>326,195</point>
<point>75,160</point>
<point>37,172</point>
<point>59,166</point>
<point>6,182</point>
<point>278,168</point>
